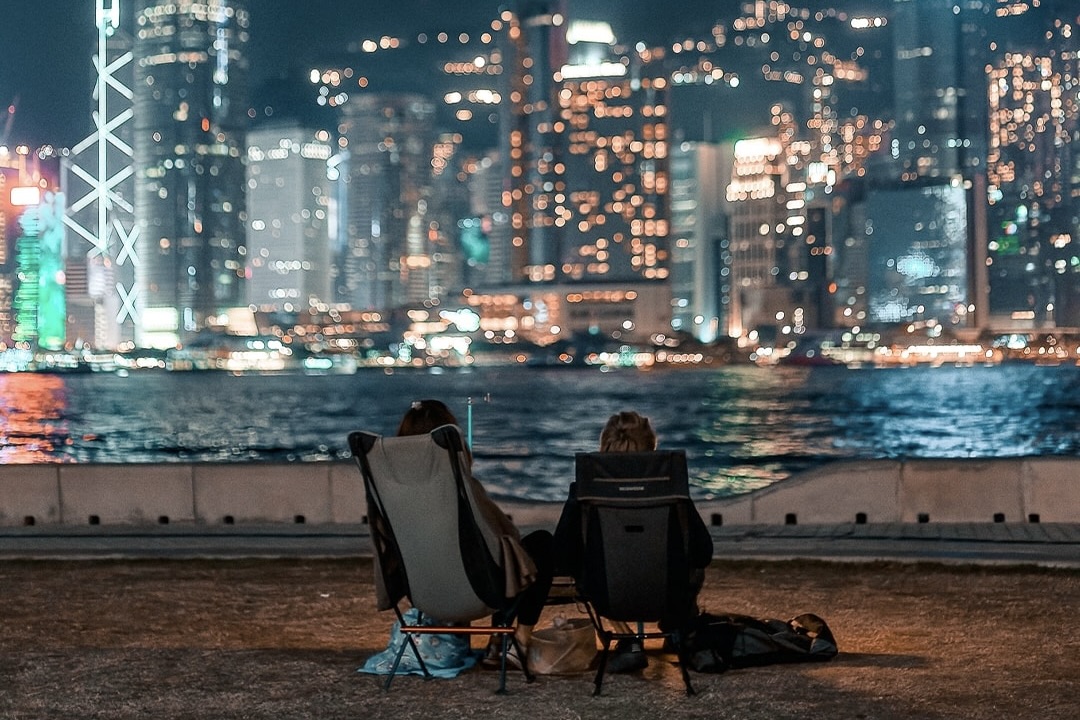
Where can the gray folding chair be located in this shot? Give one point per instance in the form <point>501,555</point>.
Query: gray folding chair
<point>431,545</point>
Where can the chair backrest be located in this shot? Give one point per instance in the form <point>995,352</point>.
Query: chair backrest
<point>635,508</point>
<point>431,545</point>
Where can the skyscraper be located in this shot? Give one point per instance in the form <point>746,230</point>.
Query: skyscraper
<point>700,244</point>
<point>917,240</point>
<point>288,201</point>
<point>1032,179</point>
<point>757,196</point>
<point>390,139</point>
<point>100,188</point>
<point>928,134</point>
<point>536,49</point>
<point>614,212</point>
<point>190,101</point>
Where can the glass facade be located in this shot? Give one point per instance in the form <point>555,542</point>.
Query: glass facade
<point>289,208</point>
<point>917,239</point>
<point>190,103</point>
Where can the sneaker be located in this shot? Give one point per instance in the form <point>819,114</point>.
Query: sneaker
<point>493,657</point>
<point>627,657</point>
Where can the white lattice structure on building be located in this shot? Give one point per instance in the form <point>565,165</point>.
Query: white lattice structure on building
<point>98,179</point>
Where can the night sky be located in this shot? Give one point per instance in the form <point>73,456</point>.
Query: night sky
<point>46,45</point>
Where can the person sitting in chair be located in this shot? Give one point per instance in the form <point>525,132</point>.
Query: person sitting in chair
<point>627,431</point>
<point>534,551</point>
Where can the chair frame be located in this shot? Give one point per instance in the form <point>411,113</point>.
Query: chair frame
<point>677,503</point>
<point>383,537</point>
<point>504,632</point>
<point>609,636</point>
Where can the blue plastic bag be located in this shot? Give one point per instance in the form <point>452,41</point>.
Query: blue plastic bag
<point>446,656</point>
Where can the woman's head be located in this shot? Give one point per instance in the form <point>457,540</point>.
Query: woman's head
<point>424,416</point>
<point>627,432</point>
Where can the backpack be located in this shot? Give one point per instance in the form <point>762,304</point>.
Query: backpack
<point>716,643</point>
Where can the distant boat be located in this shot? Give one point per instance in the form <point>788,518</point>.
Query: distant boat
<point>809,358</point>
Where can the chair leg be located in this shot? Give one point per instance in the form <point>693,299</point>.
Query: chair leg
<point>504,644</point>
<point>684,662</point>
<point>401,651</point>
<point>394,667</point>
<point>529,677</point>
<point>599,679</point>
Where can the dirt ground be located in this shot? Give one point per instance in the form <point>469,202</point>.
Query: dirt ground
<point>283,639</point>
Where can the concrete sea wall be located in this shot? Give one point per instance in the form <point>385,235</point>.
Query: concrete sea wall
<point>913,491</point>
<point>204,493</point>
<point>225,494</point>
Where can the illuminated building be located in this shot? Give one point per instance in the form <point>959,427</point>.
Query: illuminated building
<point>598,313</point>
<point>98,181</point>
<point>700,243</point>
<point>1034,263</point>
<point>390,139</point>
<point>485,231</point>
<point>190,114</point>
<point>614,214</point>
<point>757,197</point>
<point>9,178</point>
<point>436,250</point>
<point>916,239</point>
<point>926,88</point>
<point>289,210</point>
<point>39,291</point>
<point>536,47</point>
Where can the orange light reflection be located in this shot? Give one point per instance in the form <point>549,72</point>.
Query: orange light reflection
<point>32,420</point>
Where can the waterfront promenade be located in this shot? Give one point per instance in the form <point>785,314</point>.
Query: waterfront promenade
<point>282,638</point>
<point>1048,545</point>
<point>254,620</point>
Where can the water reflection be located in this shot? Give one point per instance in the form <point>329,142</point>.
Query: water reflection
<point>33,426</point>
<point>742,428</point>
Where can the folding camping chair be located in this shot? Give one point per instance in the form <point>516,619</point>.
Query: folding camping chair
<point>635,509</point>
<point>431,545</point>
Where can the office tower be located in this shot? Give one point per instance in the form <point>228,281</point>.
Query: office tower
<point>757,196</point>
<point>485,231</point>
<point>535,49</point>
<point>917,247</point>
<point>9,179</point>
<point>98,182</point>
<point>190,115</point>
<point>289,210</point>
<point>700,243</point>
<point>613,206</point>
<point>929,133</point>
<point>390,140</point>
<point>39,263</point>
<point>438,270</point>
<point>1033,260</point>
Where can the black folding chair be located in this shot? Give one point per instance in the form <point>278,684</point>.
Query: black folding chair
<point>635,509</point>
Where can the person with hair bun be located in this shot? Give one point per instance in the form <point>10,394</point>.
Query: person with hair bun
<point>533,552</point>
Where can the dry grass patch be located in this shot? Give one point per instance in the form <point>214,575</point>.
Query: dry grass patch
<point>282,639</point>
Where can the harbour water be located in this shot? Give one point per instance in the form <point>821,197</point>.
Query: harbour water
<point>742,427</point>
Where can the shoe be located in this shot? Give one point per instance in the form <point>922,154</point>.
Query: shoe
<point>493,657</point>
<point>626,658</point>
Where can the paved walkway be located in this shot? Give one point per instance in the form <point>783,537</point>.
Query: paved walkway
<point>1042,544</point>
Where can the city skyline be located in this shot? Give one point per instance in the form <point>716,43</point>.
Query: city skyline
<point>551,134</point>
<point>47,73</point>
